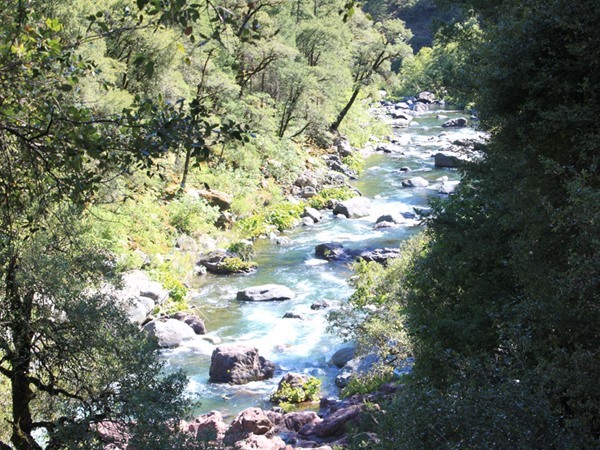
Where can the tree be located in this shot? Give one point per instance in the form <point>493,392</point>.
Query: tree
<point>373,51</point>
<point>70,357</point>
<point>502,309</point>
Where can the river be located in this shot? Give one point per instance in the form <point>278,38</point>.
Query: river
<point>305,346</point>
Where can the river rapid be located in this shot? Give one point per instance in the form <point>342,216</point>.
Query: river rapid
<point>305,346</point>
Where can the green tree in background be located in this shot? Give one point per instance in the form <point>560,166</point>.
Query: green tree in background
<point>373,51</point>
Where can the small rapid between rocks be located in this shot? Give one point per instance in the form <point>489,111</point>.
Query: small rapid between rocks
<point>302,345</point>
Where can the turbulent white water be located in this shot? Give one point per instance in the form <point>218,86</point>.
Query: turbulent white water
<point>303,345</point>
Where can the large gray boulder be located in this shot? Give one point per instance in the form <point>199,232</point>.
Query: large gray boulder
<point>443,160</point>
<point>455,123</point>
<point>415,182</point>
<point>448,187</point>
<point>169,333</point>
<point>239,364</point>
<point>354,367</point>
<point>331,251</point>
<point>380,255</point>
<point>343,355</point>
<point>138,283</point>
<point>191,319</point>
<point>391,218</point>
<point>426,97</point>
<point>354,208</point>
<point>420,107</point>
<point>266,293</point>
<point>343,147</point>
<point>313,213</point>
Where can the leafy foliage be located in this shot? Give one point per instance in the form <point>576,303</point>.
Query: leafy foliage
<point>287,396</point>
<point>500,307</point>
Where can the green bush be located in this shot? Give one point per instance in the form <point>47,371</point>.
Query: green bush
<point>367,383</point>
<point>287,396</point>
<point>243,248</point>
<point>237,265</point>
<point>340,193</point>
<point>355,162</point>
<point>191,215</point>
<point>284,215</point>
<point>252,226</point>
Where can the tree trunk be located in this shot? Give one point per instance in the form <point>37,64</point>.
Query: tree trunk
<point>22,337</point>
<point>186,169</point>
<point>335,125</point>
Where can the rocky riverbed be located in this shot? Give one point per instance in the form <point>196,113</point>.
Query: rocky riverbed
<point>252,328</point>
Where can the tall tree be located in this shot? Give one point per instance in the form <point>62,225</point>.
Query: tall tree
<point>374,48</point>
<point>70,358</point>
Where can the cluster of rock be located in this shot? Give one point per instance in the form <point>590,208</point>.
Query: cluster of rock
<point>401,114</point>
<point>255,428</point>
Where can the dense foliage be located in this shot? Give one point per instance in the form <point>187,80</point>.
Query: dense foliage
<point>113,114</point>
<point>502,308</point>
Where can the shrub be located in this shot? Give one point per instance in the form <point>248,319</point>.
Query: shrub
<point>237,265</point>
<point>369,382</point>
<point>287,395</point>
<point>243,248</point>
<point>191,215</point>
<point>339,193</point>
<point>284,215</point>
<point>355,162</point>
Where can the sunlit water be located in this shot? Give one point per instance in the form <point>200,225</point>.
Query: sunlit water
<point>305,346</point>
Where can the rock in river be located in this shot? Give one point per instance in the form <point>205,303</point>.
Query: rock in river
<point>354,207</point>
<point>455,123</point>
<point>415,182</point>
<point>331,251</point>
<point>239,364</point>
<point>266,293</point>
<point>169,333</point>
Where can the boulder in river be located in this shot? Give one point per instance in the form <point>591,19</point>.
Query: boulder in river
<point>443,160</point>
<point>415,182</point>
<point>239,364</point>
<point>191,319</point>
<point>343,355</point>
<point>266,293</point>
<point>353,208</point>
<point>420,107</point>
<point>448,187</point>
<point>426,97</point>
<point>331,251</point>
<point>222,262</point>
<point>393,218</point>
<point>313,213</point>
<point>169,333</point>
<point>459,122</point>
<point>380,255</point>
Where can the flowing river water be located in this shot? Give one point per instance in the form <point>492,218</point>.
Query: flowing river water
<point>305,346</point>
